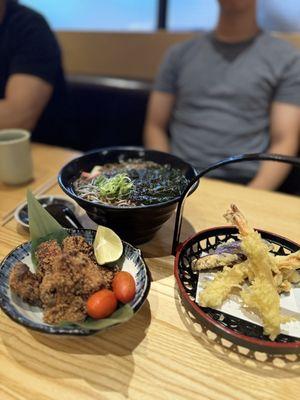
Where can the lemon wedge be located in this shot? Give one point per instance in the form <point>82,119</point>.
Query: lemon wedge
<point>108,247</point>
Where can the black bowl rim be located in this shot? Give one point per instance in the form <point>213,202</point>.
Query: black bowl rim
<point>227,333</point>
<point>79,199</point>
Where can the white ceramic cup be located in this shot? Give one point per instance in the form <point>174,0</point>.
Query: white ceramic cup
<point>15,156</point>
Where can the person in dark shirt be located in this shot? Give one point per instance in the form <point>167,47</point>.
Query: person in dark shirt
<point>31,74</point>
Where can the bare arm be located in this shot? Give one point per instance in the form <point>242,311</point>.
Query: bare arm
<point>157,119</point>
<point>25,99</point>
<point>284,128</point>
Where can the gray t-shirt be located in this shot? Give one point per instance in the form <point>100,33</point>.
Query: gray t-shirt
<point>223,96</point>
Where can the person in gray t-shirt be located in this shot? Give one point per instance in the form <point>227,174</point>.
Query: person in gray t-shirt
<point>233,91</point>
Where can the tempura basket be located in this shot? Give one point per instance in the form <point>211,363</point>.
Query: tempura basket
<point>237,331</point>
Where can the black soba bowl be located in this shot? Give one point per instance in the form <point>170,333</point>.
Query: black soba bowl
<point>136,224</point>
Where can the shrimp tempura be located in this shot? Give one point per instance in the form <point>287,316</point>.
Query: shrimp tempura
<point>262,294</point>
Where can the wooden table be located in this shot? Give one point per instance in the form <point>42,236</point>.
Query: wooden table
<point>159,353</point>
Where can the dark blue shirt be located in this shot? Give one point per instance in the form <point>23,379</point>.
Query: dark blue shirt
<point>28,46</point>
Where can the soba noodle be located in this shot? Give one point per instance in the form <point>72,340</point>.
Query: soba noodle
<point>131,183</point>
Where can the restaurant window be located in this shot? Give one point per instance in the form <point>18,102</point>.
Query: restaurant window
<point>143,15</point>
<point>97,15</point>
<point>279,15</point>
<point>202,15</point>
<point>192,15</point>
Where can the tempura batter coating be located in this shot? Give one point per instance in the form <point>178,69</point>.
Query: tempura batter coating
<point>215,261</point>
<point>262,294</point>
<point>224,282</point>
<point>267,275</point>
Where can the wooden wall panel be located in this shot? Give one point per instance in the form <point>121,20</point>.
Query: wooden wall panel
<point>128,55</point>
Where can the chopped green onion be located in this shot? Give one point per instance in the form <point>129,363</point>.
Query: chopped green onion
<point>117,187</point>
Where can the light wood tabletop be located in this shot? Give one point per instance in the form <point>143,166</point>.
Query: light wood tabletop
<point>160,353</point>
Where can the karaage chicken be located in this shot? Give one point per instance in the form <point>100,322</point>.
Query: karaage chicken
<point>25,284</point>
<point>66,276</point>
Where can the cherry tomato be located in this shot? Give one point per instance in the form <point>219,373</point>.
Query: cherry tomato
<point>124,286</point>
<point>101,304</point>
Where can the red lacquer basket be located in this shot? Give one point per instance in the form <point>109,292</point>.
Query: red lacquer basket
<point>236,330</point>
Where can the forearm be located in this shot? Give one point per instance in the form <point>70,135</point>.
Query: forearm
<point>157,120</point>
<point>156,138</point>
<point>272,174</point>
<point>26,96</point>
<point>12,117</point>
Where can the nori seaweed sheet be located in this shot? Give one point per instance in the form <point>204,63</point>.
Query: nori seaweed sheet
<point>153,184</point>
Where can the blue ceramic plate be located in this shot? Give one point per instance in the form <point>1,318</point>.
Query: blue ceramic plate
<point>32,317</point>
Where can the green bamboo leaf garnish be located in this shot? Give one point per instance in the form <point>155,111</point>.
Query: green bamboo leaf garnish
<point>123,314</point>
<point>42,225</point>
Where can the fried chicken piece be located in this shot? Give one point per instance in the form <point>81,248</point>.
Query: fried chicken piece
<point>77,244</point>
<point>25,284</point>
<point>71,309</point>
<point>74,275</point>
<point>108,274</point>
<point>64,279</point>
<point>46,253</point>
